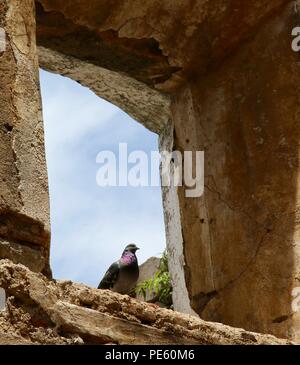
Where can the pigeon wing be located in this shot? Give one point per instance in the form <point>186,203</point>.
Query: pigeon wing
<point>110,277</point>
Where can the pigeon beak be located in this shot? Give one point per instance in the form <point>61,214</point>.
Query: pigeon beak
<point>137,248</point>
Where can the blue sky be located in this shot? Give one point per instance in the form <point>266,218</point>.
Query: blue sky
<point>91,225</point>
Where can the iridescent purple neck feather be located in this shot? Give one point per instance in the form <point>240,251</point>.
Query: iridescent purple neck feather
<point>128,258</point>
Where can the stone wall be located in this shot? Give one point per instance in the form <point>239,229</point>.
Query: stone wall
<point>40,311</point>
<point>231,82</point>
<point>24,207</point>
<point>241,239</point>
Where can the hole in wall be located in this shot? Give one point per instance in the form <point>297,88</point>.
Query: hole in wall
<point>91,225</point>
<point>8,127</point>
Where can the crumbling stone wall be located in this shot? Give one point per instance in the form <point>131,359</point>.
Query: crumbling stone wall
<point>24,207</point>
<point>229,87</point>
<point>241,239</point>
<point>40,311</point>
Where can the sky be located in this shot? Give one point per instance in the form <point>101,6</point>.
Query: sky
<point>91,225</point>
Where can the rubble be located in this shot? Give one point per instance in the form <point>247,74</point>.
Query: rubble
<point>43,311</point>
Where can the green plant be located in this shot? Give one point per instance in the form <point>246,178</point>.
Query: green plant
<point>160,285</point>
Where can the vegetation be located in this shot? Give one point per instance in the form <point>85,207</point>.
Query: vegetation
<point>160,285</point>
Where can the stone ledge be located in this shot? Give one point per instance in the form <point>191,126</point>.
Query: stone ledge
<point>42,311</point>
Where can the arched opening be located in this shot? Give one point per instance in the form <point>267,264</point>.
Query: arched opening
<point>91,224</point>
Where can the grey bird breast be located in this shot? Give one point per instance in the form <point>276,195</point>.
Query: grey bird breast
<point>127,279</point>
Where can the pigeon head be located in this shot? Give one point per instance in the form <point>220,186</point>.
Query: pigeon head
<point>132,248</point>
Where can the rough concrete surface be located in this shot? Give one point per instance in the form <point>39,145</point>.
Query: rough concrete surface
<point>233,81</point>
<point>218,76</point>
<point>160,43</point>
<point>148,106</point>
<point>241,238</point>
<point>40,311</point>
<point>24,206</point>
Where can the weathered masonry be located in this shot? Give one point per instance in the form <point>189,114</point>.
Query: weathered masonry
<point>24,207</point>
<point>218,76</point>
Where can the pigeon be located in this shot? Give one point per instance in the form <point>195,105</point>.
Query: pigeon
<point>123,274</point>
